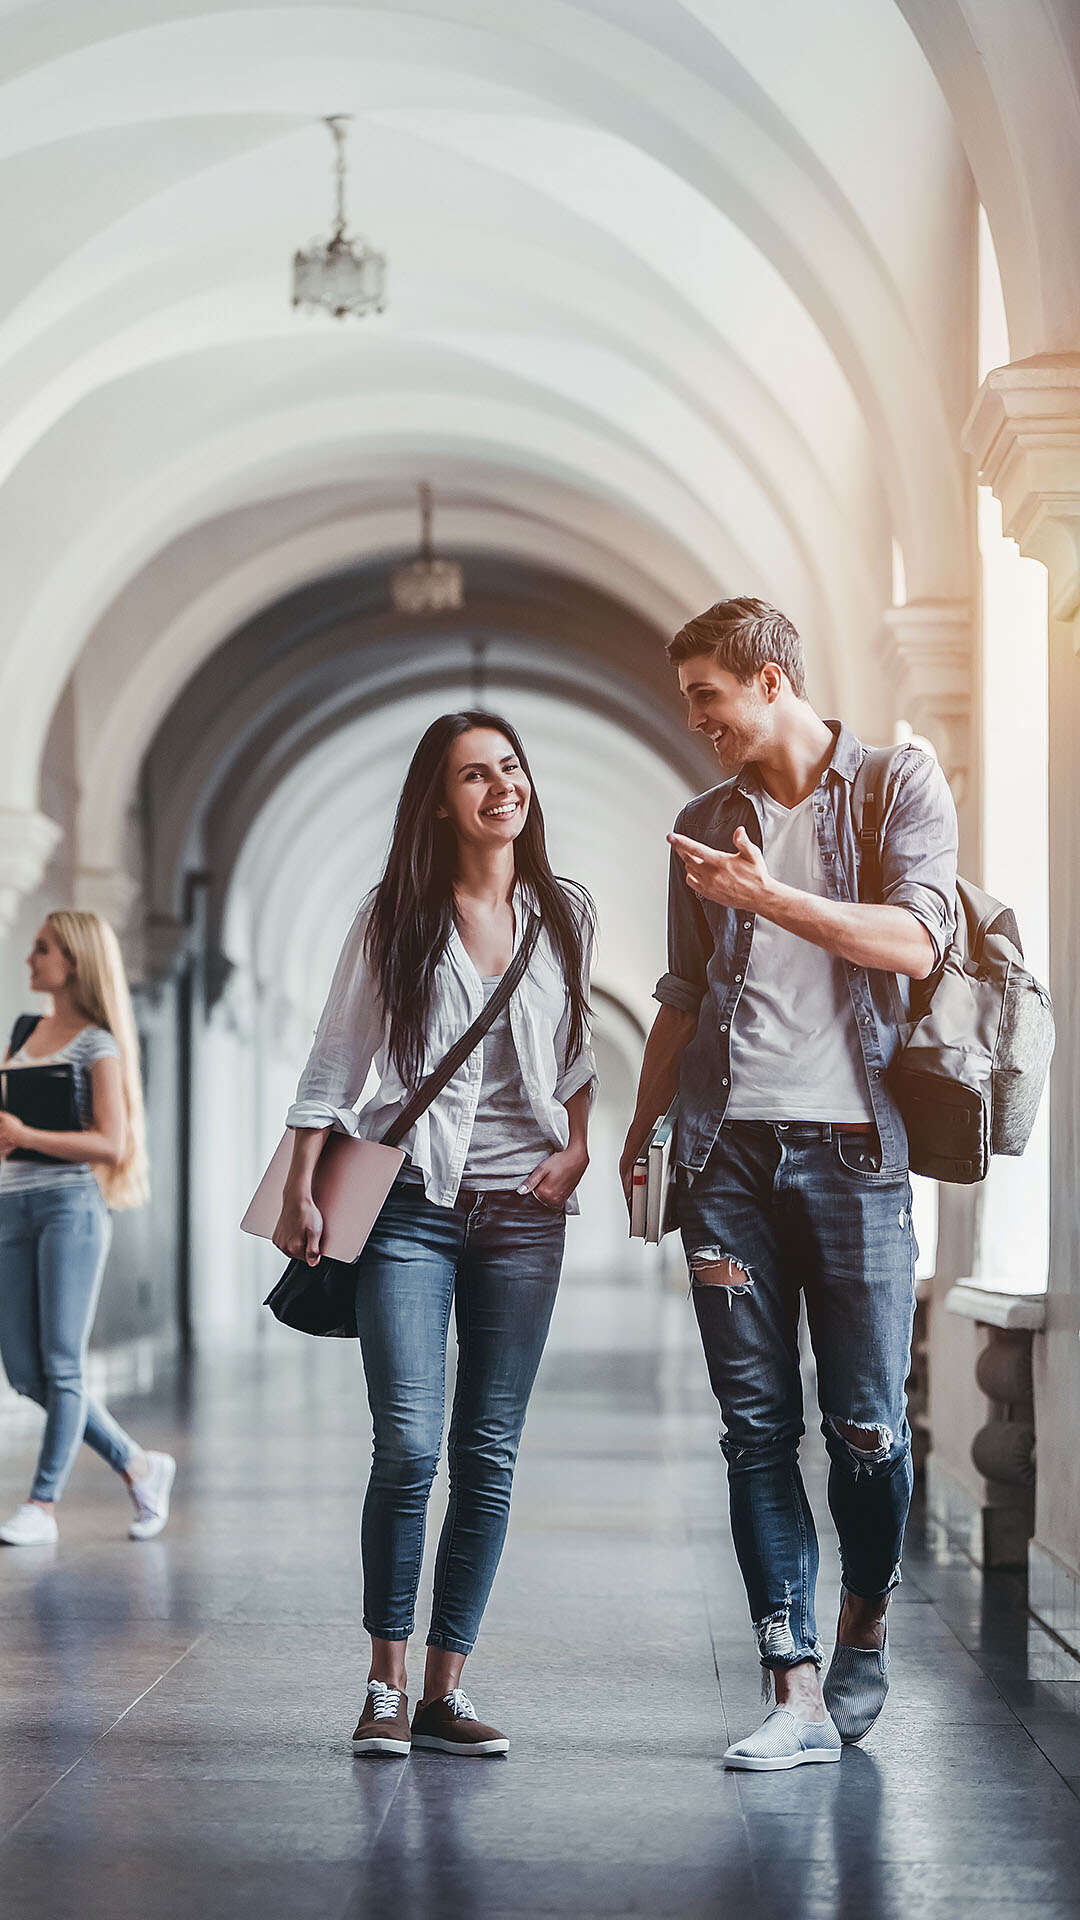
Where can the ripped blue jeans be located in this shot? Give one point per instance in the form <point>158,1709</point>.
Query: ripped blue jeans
<point>782,1211</point>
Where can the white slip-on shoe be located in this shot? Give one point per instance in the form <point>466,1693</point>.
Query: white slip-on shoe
<point>783,1740</point>
<point>855,1687</point>
<point>151,1495</point>
<point>30,1527</point>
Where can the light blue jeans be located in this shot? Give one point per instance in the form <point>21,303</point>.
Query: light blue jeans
<point>53,1247</point>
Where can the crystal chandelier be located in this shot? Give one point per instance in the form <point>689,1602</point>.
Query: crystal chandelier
<point>427,584</point>
<point>339,275</point>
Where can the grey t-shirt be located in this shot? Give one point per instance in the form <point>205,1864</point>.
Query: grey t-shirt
<point>506,1141</point>
<point>82,1053</point>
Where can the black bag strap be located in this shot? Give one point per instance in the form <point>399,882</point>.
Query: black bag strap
<point>432,1086</point>
<point>21,1031</point>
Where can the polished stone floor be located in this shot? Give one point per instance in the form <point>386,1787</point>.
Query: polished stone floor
<point>176,1715</point>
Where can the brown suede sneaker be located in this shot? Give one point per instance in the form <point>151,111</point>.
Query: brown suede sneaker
<point>383,1727</point>
<point>450,1725</point>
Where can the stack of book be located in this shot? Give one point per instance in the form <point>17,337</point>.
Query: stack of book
<point>649,1187</point>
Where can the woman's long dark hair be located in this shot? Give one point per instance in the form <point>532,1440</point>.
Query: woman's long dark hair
<point>412,906</point>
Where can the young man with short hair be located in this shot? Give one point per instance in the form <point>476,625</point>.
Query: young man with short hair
<point>777,1025</point>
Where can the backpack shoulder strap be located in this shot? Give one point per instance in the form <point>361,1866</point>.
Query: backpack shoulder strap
<point>21,1031</point>
<point>871,786</point>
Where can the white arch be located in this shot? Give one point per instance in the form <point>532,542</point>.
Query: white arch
<point>135,690</point>
<point>1011,76</point>
<point>246,461</point>
<point>703,118</point>
<point>603,118</point>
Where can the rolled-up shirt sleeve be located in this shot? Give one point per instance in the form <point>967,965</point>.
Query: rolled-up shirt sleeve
<point>347,1038</point>
<point>919,848</point>
<point>581,1070</point>
<point>690,944</point>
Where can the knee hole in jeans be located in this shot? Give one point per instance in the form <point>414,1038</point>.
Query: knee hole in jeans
<point>868,1445</point>
<point>712,1267</point>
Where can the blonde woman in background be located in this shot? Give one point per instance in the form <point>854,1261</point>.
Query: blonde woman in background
<point>54,1218</point>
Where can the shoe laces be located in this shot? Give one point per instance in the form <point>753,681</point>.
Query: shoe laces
<point>385,1700</point>
<point>460,1705</point>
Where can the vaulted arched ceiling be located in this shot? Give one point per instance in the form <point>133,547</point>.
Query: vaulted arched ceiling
<point>677,301</point>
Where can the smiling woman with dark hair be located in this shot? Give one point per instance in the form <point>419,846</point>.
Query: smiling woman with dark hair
<point>477,1217</point>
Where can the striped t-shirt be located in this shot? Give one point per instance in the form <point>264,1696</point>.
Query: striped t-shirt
<point>88,1047</point>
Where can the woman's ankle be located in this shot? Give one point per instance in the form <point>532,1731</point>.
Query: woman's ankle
<point>45,1505</point>
<point>137,1468</point>
<point>391,1677</point>
<point>441,1675</point>
<point>388,1663</point>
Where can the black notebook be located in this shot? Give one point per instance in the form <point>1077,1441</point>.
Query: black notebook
<point>42,1097</point>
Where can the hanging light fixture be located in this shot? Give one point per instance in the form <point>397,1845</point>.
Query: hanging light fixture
<point>427,584</point>
<point>339,275</point>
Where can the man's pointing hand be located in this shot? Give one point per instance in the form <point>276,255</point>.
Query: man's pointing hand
<point>740,879</point>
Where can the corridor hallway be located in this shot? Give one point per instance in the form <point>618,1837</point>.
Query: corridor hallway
<point>177,1715</point>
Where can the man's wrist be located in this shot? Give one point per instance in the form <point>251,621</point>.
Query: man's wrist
<point>775,897</point>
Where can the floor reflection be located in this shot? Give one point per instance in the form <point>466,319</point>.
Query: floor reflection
<point>176,1715</point>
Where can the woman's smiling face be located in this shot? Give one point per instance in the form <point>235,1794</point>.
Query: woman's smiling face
<point>486,790</point>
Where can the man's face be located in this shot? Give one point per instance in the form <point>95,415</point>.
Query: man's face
<point>737,719</point>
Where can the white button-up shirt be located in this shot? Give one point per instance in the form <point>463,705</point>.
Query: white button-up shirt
<point>352,1035</point>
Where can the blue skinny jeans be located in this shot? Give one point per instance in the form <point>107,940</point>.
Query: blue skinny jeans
<point>53,1246</point>
<point>496,1257</point>
<point>802,1211</point>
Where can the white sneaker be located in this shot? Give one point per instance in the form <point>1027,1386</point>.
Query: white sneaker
<point>151,1496</point>
<point>30,1527</point>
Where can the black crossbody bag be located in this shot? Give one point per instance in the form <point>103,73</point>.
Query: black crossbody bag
<point>42,1097</point>
<point>321,1300</point>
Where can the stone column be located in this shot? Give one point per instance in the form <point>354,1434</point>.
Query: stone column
<point>27,842</point>
<point>933,660</point>
<point>1024,434</point>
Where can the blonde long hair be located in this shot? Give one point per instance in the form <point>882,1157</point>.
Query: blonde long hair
<point>100,990</point>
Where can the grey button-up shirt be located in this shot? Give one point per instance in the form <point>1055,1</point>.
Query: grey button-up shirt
<point>709,946</point>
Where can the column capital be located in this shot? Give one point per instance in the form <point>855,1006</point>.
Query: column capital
<point>1023,433</point>
<point>930,647</point>
<point>27,842</point>
<point>108,891</point>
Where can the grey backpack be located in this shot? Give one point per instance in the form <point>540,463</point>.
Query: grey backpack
<point>971,1069</point>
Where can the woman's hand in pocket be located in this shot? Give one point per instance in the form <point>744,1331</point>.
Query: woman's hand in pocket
<point>299,1229</point>
<point>554,1180</point>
